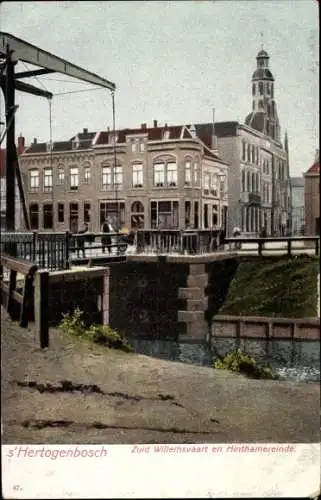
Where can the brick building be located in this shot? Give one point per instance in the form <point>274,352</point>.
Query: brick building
<point>150,177</point>
<point>312,197</point>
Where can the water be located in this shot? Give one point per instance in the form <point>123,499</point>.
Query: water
<point>296,361</point>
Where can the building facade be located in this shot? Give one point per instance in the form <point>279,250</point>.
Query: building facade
<point>151,177</point>
<point>258,183</point>
<point>298,211</point>
<point>312,198</point>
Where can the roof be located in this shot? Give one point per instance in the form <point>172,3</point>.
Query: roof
<point>314,169</point>
<point>297,182</point>
<point>226,129</point>
<point>153,134</point>
<point>256,120</point>
<point>262,53</point>
<point>262,74</point>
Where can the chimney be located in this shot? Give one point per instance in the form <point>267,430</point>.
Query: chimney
<point>143,126</point>
<point>166,125</point>
<point>108,129</point>
<point>155,123</point>
<point>21,144</point>
<point>85,131</point>
<point>35,140</point>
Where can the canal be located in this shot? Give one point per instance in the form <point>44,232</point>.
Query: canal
<point>292,360</point>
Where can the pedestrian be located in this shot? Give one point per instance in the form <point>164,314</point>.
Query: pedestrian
<point>81,241</point>
<point>106,240</point>
<point>236,234</point>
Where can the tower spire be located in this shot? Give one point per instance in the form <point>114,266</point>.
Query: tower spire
<point>262,40</point>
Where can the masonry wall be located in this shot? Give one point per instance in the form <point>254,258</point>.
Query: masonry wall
<point>86,289</point>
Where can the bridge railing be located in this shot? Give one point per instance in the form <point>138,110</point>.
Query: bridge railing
<point>58,250</point>
<point>291,244</point>
<point>171,241</point>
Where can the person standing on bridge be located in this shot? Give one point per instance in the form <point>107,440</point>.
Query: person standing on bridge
<point>106,240</point>
<point>236,234</point>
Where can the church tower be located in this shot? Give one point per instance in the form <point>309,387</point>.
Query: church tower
<point>263,117</point>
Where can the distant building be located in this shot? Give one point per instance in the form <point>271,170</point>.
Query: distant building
<point>150,177</point>
<point>258,181</point>
<point>312,197</point>
<point>298,216</point>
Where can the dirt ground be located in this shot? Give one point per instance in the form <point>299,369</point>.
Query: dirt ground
<point>74,392</point>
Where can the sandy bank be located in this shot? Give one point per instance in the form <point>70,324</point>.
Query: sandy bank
<point>137,399</point>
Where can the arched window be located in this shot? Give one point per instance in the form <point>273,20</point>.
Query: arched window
<point>137,215</point>
<point>272,90</point>
<point>261,88</point>
<point>253,182</point>
<point>261,104</point>
<point>188,172</point>
<point>267,86</point>
<point>269,109</point>
<point>249,153</point>
<point>253,89</point>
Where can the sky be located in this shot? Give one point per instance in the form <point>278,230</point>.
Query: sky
<point>171,61</point>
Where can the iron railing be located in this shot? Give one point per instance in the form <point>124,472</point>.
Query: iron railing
<point>155,241</point>
<point>54,251</point>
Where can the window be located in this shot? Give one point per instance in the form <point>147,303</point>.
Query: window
<point>243,150</point>
<point>74,178</point>
<point>272,90</point>
<point>61,176</point>
<point>243,181</point>
<point>47,216</point>
<point>138,173</point>
<point>187,214</point>
<point>61,212</point>
<point>133,146</point>
<point>249,153</point>
<point>166,135</point>
<point>34,216</point>
<point>253,154</point>
<point>114,212</point>
<point>34,180</point>
<point>137,215</point>
<point>206,181</point>
<point>141,146</point>
<point>253,182</point>
<point>248,182</point>
<point>261,88</point>
<point>253,89</point>
<point>86,213</point>
<point>214,184</point>
<point>164,214</point>
<point>73,217</point>
<point>47,180</point>
<point>107,181</point>
<point>188,173</point>
<point>159,174</point>
<point>118,176</point>
<point>171,174</point>
<point>87,175</point>
<point>196,174</point>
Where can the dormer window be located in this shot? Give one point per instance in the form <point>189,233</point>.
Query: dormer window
<point>75,143</point>
<point>49,147</point>
<point>112,138</point>
<point>192,130</point>
<point>166,135</point>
